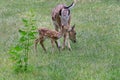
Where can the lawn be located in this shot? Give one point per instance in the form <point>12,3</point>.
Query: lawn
<point>95,56</point>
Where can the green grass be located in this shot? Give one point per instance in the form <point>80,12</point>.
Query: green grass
<point>95,56</point>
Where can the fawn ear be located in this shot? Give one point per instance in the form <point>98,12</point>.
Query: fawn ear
<point>73,27</point>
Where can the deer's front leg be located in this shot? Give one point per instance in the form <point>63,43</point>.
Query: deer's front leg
<point>68,42</point>
<point>64,41</point>
<point>52,41</point>
<point>58,41</point>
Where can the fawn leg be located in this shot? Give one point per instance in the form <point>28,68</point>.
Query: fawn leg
<point>41,43</point>
<point>36,42</point>
<point>57,45</point>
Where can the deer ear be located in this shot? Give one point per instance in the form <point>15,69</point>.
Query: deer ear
<point>73,26</point>
<point>68,12</point>
<point>60,12</point>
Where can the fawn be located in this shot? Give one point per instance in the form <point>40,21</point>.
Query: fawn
<point>51,34</point>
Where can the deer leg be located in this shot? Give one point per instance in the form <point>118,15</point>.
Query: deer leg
<point>57,45</point>
<point>41,43</point>
<point>36,42</point>
<point>64,41</point>
<point>52,41</point>
<point>58,41</point>
<point>67,38</point>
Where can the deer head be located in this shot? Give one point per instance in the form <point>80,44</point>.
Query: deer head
<point>72,34</point>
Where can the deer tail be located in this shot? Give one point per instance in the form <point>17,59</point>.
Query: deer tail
<point>71,5</point>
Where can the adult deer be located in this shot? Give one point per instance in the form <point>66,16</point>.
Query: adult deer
<point>61,16</point>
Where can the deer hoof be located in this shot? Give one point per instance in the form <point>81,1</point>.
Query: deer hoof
<point>63,48</point>
<point>59,47</point>
<point>70,49</point>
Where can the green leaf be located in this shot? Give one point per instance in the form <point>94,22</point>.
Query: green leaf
<point>30,44</point>
<point>33,28</point>
<point>13,58</point>
<point>25,58</point>
<point>22,32</point>
<point>31,35</point>
<point>18,48</point>
<point>35,32</point>
<point>13,52</point>
<point>25,20</point>
<point>22,39</point>
<point>33,20</point>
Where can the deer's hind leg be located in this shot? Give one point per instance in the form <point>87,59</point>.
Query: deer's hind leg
<point>41,43</point>
<point>58,41</point>
<point>36,42</point>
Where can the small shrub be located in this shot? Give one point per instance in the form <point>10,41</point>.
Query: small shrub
<point>19,53</point>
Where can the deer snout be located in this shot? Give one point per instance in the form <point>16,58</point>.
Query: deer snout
<point>74,41</point>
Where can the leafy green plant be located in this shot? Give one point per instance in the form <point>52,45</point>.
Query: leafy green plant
<point>20,52</point>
